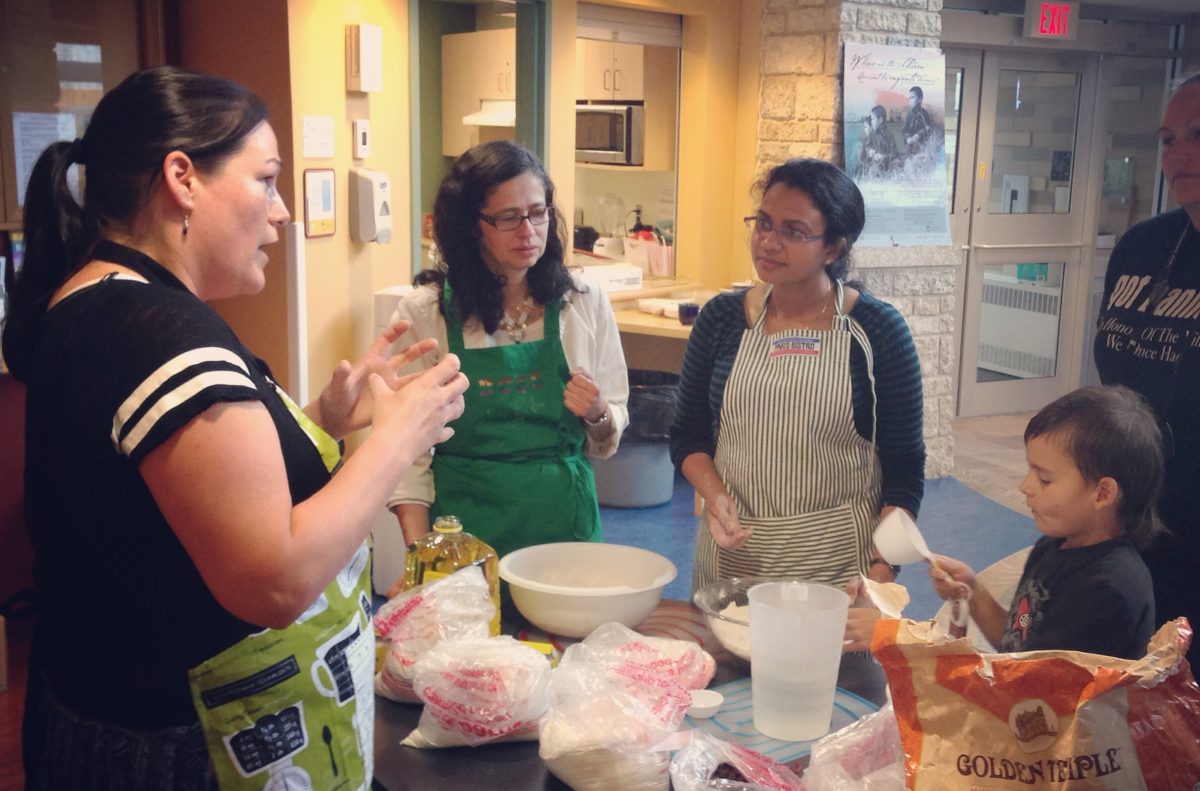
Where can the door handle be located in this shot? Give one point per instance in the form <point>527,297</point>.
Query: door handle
<point>607,73</point>
<point>616,80</point>
<point>1024,246</point>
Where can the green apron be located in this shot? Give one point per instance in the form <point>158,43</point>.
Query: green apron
<point>514,471</point>
<point>294,708</point>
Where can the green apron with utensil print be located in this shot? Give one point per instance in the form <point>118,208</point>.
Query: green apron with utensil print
<point>514,472</point>
<point>293,709</point>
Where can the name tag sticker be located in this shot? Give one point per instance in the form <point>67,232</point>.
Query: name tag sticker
<point>802,345</point>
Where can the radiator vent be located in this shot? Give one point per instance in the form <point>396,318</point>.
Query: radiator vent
<point>1023,364</point>
<point>1020,299</point>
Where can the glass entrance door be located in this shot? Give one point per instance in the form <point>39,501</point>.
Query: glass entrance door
<point>1024,247</point>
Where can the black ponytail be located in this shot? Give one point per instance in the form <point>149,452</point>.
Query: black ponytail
<point>150,114</point>
<point>57,236</point>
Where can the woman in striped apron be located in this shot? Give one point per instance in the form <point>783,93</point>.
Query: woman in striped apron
<point>800,409</point>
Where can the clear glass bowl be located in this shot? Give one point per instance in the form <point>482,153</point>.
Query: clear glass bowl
<point>726,608</point>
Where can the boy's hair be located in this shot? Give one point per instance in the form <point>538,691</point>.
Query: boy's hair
<point>916,89</point>
<point>1111,432</point>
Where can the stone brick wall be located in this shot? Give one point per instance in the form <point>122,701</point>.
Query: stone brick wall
<point>800,114</point>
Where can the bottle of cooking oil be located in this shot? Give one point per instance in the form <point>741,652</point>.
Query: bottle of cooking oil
<point>446,549</point>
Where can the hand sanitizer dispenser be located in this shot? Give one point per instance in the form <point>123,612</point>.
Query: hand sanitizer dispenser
<point>370,206</point>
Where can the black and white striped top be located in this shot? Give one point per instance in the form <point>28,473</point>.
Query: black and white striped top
<point>119,367</point>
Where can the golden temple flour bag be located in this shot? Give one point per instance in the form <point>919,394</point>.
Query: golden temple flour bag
<point>1061,720</point>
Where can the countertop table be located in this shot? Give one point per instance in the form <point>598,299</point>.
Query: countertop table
<point>515,766</point>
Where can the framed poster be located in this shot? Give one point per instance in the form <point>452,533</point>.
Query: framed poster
<point>895,141</point>
<point>318,202</point>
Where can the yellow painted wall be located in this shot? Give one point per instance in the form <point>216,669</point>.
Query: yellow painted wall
<point>344,274</point>
<point>248,42</point>
<point>292,52</point>
<point>717,127</point>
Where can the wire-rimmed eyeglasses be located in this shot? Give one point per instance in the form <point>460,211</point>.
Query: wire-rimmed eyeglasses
<point>511,220</point>
<point>763,227</point>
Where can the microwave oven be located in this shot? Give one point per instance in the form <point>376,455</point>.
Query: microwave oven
<point>610,133</point>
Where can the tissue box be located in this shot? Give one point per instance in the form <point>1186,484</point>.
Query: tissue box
<point>613,277</point>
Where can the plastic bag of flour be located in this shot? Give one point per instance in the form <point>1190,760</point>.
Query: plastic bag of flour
<point>681,660</point>
<point>866,755</point>
<point>459,605</point>
<point>604,719</point>
<point>1042,719</point>
<point>478,691</point>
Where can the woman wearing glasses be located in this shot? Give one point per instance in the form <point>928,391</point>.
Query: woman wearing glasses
<point>799,413</point>
<point>548,383</point>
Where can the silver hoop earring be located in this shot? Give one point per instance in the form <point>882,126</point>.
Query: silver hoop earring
<point>185,225</point>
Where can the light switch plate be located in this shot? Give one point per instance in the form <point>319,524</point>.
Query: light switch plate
<point>362,138</point>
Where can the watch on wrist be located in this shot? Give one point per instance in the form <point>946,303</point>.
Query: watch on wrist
<point>881,562</point>
<point>600,421</point>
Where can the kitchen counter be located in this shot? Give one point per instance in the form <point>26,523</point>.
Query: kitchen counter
<point>654,343</point>
<point>516,766</point>
<point>634,321</point>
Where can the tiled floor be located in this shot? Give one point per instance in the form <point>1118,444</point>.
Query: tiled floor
<point>989,456</point>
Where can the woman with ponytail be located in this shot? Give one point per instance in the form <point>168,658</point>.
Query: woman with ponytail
<point>202,570</point>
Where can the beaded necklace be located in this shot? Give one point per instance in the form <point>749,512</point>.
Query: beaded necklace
<point>516,327</point>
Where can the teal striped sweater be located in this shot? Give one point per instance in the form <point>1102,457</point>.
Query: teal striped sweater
<point>899,440</point>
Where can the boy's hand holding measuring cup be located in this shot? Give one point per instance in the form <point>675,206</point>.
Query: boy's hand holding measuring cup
<point>899,541</point>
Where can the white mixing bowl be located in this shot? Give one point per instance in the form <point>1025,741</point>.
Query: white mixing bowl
<point>570,588</point>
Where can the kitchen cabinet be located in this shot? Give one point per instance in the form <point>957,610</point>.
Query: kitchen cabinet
<point>608,71</point>
<point>475,66</point>
<point>661,103</point>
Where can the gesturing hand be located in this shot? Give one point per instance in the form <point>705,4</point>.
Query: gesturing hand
<point>346,403</point>
<point>417,410</point>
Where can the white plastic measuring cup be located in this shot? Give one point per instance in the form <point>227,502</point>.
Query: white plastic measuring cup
<point>899,541</point>
<point>796,631</point>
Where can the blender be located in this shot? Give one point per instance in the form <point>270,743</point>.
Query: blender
<point>612,223</point>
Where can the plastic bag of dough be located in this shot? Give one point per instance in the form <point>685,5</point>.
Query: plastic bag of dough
<point>458,605</point>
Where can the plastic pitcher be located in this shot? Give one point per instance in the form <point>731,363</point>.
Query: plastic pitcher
<point>796,634</point>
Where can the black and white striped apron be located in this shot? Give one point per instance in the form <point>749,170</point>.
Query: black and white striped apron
<point>789,455</point>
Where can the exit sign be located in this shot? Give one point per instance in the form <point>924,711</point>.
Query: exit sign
<point>1051,19</point>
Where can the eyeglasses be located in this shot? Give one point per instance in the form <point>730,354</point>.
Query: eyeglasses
<point>510,220</point>
<point>761,226</point>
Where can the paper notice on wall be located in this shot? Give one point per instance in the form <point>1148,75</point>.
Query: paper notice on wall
<point>32,132</point>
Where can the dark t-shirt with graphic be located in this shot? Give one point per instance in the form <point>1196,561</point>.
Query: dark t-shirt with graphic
<point>1096,599</point>
<point>1153,346</point>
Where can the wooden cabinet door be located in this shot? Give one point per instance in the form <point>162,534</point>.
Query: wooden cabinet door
<point>475,66</point>
<point>496,54</point>
<point>608,71</point>
<point>597,69</point>
<point>627,72</point>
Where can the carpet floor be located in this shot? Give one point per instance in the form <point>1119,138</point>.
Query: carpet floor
<point>955,520</point>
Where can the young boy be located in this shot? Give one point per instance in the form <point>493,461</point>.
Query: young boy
<point>1095,471</point>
